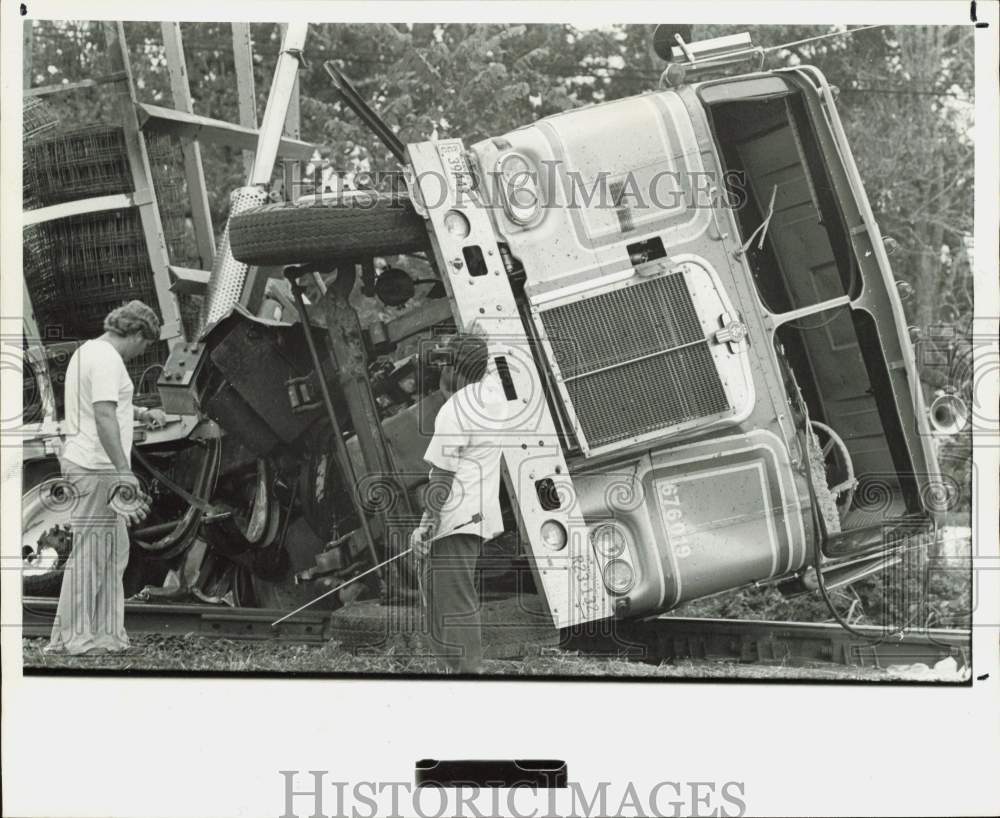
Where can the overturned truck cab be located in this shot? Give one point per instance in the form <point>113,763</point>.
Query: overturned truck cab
<point>693,315</point>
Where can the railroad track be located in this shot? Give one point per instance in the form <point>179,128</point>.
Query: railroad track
<point>795,643</point>
<point>218,621</point>
<point>663,639</point>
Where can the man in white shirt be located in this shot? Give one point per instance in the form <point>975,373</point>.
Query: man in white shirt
<point>463,501</point>
<point>105,493</point>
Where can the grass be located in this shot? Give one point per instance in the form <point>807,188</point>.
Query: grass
<point>197,653</point>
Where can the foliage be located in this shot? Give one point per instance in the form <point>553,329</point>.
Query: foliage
<point>905,98</point>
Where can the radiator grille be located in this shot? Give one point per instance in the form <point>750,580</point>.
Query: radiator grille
<point>635,360</point>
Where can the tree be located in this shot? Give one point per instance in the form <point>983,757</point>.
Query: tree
<point>905,98</point>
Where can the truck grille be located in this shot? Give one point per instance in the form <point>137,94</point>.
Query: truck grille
<point>634,360</point>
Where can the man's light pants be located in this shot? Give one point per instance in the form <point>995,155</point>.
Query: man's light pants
<point>91,610</point>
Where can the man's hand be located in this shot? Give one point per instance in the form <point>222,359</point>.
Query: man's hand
<point>420,541</point>
<point>155,418</point>
<point>128,499</point>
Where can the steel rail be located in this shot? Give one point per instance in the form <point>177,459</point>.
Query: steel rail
<point>668,638</point>
<point>656,640</point>
<point>178,619</point>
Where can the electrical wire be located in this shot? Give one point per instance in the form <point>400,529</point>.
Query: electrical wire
<point>145,372</point>
<point>823,37</point>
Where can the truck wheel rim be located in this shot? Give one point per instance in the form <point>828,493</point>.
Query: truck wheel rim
<point>43,508</point>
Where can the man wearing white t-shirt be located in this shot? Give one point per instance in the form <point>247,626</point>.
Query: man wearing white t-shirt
<point>463,506</point>
<point>105,493</point>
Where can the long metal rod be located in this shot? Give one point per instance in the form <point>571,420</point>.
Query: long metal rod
<point>342,454</point>
<point>363,574</point>
<point>81,207</point>
<point>278,100</point>
<point>63,87</point>
<point>476,518</point>
<point>372,120</point>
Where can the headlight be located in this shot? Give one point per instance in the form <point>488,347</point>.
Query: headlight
<point>518,182</point>
<point>553,535</point>
<point>618,576</point>
<point>608,541</point>
<point>457,224</point>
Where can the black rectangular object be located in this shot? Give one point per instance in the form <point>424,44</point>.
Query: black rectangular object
<point>257,361</point>
<point>493,773</point>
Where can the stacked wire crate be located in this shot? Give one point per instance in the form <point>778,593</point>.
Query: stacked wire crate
<point>77,269</point>
<point>38,120</point>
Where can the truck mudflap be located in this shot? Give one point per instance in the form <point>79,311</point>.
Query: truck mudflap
<point>535,471</point>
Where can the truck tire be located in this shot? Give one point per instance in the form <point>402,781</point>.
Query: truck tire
<point>362,225</point>
<point>46,538</point>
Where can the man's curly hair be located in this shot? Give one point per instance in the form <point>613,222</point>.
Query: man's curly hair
<point>131,318</point>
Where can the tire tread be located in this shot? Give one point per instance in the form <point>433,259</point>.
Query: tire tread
<point>323,231</point>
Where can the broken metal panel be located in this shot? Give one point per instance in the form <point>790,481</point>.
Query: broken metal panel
<point>188,280</point>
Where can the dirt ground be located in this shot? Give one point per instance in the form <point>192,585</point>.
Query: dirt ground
<point>153,653</point>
